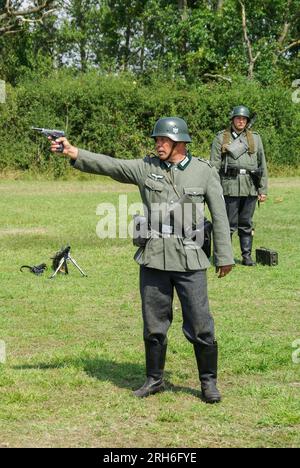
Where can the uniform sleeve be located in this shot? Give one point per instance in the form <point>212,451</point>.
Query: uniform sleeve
<point>216,153</point>
<point>221,231</point>
<point>263,189</point>
<point>122,170</point>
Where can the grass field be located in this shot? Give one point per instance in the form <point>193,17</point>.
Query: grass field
<point>74,345</point>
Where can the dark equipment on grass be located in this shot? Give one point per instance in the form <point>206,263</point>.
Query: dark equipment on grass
<point>60,260</point>
<point>53,134</point>
<point>36,269</point>
<point>266,256</point>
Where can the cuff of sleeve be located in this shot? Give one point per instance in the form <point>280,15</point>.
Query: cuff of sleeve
<point>73,162</point>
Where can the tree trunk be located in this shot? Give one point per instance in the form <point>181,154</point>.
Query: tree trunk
<point>220,5</point>
<point>182,6</point>
<point>127,45</point>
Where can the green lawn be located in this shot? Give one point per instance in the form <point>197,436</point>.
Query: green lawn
<point>74,345</point>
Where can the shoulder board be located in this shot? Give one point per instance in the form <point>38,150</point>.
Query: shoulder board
<point>254,132</point>
<point>221,131</point>
<point>205,161</point>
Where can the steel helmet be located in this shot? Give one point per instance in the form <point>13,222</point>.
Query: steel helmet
<point>172,127</point>
<point>238,111</point>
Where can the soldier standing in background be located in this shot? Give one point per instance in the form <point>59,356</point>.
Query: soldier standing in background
<point>168,260</point>
<point>238,155</point>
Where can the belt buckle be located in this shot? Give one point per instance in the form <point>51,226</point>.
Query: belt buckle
<point>243,171</point>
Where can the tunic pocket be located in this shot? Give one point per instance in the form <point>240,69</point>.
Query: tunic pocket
<point>153,190</point>
<point>154,185</point>
<point>195,193</point>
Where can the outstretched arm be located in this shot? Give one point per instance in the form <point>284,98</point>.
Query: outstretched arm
<point>122,170</point>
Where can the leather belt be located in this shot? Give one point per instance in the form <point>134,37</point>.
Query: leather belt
<point>234,172</point>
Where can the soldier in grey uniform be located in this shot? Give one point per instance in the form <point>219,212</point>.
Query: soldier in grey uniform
<point>168,260</point>
<point>238,155</point>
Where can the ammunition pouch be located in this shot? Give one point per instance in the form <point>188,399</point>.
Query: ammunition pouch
<point>237,148</point>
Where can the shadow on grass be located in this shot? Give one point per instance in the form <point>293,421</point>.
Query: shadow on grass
<point>124,375</point>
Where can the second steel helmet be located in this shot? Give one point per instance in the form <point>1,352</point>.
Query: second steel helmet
<point>240,111</point>
<point>172,127</point>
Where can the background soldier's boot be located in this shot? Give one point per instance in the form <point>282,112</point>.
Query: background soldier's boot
<point>246,248</point>
<point>155,363</point>
<point>207,360</point>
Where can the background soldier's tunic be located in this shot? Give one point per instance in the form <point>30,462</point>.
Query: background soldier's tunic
<point>240,210</point>
<point>242,185</point>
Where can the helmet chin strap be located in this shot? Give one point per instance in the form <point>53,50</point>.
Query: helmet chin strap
<point>172,150</point>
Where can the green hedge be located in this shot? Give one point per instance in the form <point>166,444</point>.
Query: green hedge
<point>115,114</point>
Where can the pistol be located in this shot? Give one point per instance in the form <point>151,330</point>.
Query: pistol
<point>53,134</point>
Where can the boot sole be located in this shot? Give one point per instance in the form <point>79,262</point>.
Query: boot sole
<point>212,401</point>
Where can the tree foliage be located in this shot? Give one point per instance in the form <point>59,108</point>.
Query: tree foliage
<point>14,14</point>
<point>104,70</point>
<point>193,39</point>
<point>115,115</point>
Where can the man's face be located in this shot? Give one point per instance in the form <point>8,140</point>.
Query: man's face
<point>240,122</point>
<point>163,146</point>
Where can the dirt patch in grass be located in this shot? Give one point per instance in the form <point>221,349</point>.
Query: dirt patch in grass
<point>291,182</point>
<point>102,185</point>
<point>21,231</point>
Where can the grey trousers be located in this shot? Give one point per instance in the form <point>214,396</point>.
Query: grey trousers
<point>240,211</point>
<point>157,291</point>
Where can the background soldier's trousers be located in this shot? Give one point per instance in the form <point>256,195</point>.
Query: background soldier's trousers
<point>240,211</point>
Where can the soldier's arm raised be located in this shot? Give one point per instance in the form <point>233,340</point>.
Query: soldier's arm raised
<point>122,170</point>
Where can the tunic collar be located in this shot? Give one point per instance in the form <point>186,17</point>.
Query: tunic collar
<point>182,165</point>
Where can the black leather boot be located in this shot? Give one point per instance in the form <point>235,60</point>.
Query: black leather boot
<point>155,363</point>
<point>246,248</point>
<point>207,360</point>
